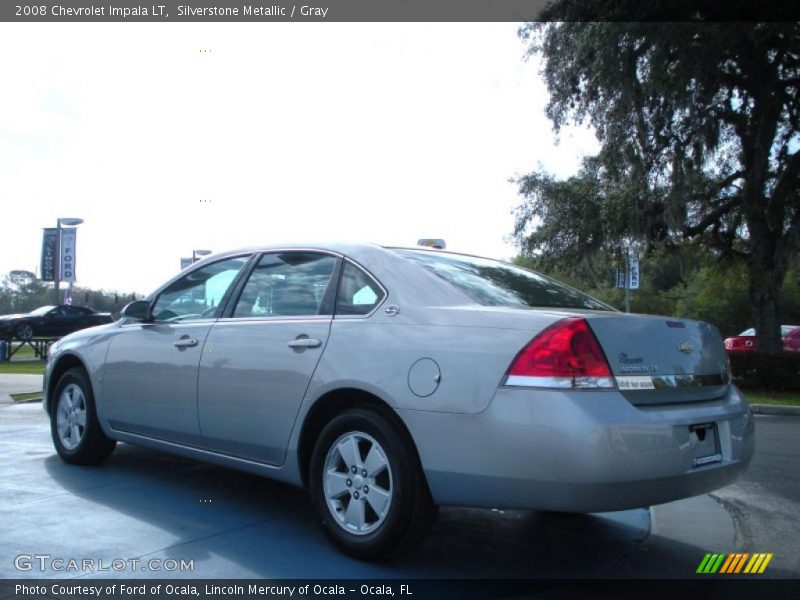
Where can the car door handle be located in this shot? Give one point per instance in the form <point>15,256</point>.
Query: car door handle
<point>185,342</point>
<point>304,343</point>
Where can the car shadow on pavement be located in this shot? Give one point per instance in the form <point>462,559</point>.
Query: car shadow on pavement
<point>146,504</point>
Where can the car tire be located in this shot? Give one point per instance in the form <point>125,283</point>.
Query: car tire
<point>77,434</point>
<point>24,332</point>
<point>400,509</point>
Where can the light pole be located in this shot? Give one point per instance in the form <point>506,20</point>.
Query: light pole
<point>196,253</point>
<point>70,222</point>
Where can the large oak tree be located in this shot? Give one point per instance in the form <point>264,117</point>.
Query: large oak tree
<point>699,125</point>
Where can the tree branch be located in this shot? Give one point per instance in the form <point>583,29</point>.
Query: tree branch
<point>787,182</point>
<point>712,217</point>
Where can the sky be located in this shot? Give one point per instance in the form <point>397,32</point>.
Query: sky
<point>169,137</point>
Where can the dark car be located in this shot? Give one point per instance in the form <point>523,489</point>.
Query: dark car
<point>50,321</point>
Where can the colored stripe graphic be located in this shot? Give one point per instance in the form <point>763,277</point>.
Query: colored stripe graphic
<point>711,563</point>
<point>728,563</point>
<point>719,562</point>
<point>765,563</point>
<point>703,563</point>
<point>741,562</point>
<point>758,563</point>
<point>754,564</point>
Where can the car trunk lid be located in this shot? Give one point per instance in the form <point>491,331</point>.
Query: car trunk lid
<point>660,360</point>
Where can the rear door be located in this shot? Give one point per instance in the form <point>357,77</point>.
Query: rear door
<point>259,358</point>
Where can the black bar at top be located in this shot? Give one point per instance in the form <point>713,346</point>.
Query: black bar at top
<point>394,10</point>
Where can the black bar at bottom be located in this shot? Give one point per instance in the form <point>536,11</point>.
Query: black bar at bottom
<point>728,587</point>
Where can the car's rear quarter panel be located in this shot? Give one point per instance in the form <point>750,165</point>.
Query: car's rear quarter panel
<point>377,355</point>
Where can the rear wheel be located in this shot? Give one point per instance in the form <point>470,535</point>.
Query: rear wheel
<point>367,486</point>
<point>77,435</point>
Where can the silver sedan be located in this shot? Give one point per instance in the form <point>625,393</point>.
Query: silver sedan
<point>390,381</point>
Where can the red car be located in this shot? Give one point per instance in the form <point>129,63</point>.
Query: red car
<point>746,341</point>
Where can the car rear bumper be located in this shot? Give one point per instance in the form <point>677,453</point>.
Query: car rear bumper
<point>584,451</point>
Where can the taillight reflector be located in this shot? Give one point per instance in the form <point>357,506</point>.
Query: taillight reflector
<point>565,355</point>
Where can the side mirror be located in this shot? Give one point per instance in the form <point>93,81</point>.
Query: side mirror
<point>139,310</point>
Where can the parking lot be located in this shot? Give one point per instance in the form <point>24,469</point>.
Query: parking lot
<point>143,505</point>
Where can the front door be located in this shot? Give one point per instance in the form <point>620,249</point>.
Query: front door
<point>150,380</point>
<point>258,361</point>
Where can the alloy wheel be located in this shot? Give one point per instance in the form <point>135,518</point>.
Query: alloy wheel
<point>357,483</point>
<point>71,416</point>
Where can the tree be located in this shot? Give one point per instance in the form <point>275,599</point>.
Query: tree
<point>699,125</point>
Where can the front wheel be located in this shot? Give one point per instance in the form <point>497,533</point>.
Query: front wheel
<point>24,332</point>
<point>368,487</point>
<point>76,432</point>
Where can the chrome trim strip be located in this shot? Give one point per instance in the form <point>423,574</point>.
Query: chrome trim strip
<point>666,382</point>
<point>561,383</point>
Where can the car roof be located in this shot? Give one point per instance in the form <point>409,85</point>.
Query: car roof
<point>352,249</point>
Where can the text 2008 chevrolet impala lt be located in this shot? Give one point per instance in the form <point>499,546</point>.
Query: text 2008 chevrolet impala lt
<point>393,380</point>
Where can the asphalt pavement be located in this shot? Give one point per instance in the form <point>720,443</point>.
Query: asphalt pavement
<point>765,502</point>
<point>146,505</point>
<point>18,384</point>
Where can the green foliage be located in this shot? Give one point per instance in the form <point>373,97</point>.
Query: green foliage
<point>22,367</point>
<point>758,370</point>
<point>689,283</point>
<point>782,398</point>
<point>699,123</point>
<point>21,292</point>
<point>718,296</point>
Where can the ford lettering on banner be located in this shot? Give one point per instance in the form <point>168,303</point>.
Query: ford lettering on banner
<point>48,266</point>
<point>68,254</point>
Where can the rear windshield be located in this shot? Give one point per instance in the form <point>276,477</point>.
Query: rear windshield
<point>494,283</point>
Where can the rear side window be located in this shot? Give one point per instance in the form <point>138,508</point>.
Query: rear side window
<point>494,283</point>
<point>286,284</point>
<point>359,293</point>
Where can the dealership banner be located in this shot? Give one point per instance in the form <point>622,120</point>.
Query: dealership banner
<point>48,265</point>
<point>619,278</point>
<point>68,236</point>
<point>633,271</point>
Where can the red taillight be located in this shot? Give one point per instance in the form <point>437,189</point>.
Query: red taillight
<point>565,355</point>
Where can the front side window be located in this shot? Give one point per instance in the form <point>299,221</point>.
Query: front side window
<point>494,283</point>
<point>286,284</point>
<point>199,294</point>
<point>358,292</point>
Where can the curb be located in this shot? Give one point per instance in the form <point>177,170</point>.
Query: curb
<point>7,399</point>
<point>775,409</point>
<point>28,400</point>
